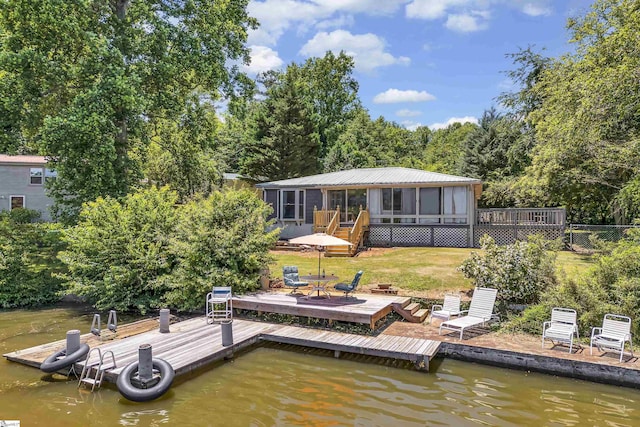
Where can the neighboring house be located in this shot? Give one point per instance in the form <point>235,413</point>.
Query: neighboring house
<point>22,181</point>
<point>404,206</point>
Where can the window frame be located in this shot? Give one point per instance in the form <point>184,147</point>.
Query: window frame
<point>24,201</point>
<point>299,205</point>
<point>31,176</point>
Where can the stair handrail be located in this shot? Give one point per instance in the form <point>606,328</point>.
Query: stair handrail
<point>335,221</point>
<point>355,234</point>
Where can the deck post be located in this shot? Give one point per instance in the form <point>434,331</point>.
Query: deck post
<point>73,341</point>
<point>336,354</point>
<point>164,320</point>
<point>227,333</point>
<point>145,363</point>
<point>422,363</point>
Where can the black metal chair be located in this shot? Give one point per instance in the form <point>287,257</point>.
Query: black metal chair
<point>292,279</point>
<point>348,288</point>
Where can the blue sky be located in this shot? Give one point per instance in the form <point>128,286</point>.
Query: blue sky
<point>418,62</point>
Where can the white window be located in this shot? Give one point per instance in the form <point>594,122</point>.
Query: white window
<point>17,202</point>
<point>35,176</point>
<point>292,204</point>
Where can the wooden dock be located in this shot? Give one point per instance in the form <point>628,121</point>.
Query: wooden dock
<point>417,350</point>
<point>366,309</point>
<point>193,343</point>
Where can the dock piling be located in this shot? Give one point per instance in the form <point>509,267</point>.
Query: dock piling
<point>164,320</point>
<point>73,341</point>
<point>227,333</point>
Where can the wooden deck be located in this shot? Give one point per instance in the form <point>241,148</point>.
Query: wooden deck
<point>192,344</point>
<point>367,309</point>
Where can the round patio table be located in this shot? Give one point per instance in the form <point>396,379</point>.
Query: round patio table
<point>320,283</point>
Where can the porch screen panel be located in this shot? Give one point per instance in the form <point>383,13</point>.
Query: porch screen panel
<point>314,199</point>
<point>288,204</point>
<point>408,204</point>
<point>430,201</point>
<point>271,198</point>
<point>455,203</point>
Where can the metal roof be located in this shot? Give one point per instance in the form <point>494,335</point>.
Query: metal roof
<point>371,176</point>
<point>23,160</point>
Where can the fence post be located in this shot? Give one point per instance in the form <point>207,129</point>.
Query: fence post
<point>571,237</point>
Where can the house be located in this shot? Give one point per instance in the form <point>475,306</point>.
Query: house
<point>22,180</point>
<point>400,206</point>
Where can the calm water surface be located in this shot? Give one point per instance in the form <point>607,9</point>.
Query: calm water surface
<point>274,386</point>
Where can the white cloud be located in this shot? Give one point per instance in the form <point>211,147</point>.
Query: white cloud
<point>471,15</point>
<point>410,125</point>
<point>536,9</point>
<point>263,59</point>
<point>339,22</point>
<point>277,16</point>
<point>408,113</point>
<point>392,96</point>
<point>432,9</point>
<point>452,120</point>
<point>467,23</point>
<point>368,50</point>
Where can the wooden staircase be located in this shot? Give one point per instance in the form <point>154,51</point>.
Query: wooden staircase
<point>329,222</point>
<point>411,311</point>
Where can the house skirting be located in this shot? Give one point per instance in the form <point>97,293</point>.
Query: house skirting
<point>454,236</point>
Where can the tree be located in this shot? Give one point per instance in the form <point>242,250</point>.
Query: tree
<point>285,142</point>
<point>332,93</point>
<point>444,150</point>
<point>588,121</point>
<point>86,81</point>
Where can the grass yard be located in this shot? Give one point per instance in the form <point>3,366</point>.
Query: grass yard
<point>425,272</point>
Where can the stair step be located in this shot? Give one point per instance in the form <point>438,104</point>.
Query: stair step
<point>421,314</point>
<point>413,307</point>
<point>91,381</point>
<point>402,302</point>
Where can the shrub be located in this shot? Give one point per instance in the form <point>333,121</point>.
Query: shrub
<point>220,241</point>
<point>28,260</point>
<point>118,253</point>
<point>145,252</point>
<point>520,271</point>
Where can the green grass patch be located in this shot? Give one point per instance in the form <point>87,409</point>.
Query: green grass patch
<point>412,269</point>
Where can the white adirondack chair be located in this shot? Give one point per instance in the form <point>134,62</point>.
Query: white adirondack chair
<point>614,333</point>
<point>480,311</point>
<point>561,328</point>
<point>450,307</point>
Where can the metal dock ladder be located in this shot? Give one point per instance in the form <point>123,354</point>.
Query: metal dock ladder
<point>100,368</point>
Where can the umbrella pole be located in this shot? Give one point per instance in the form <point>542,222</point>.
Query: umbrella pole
<point>319,249</point>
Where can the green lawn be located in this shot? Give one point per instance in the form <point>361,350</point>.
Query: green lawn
<point>420,270</point>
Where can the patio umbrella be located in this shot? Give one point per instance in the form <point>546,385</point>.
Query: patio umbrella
<point>319,240</point>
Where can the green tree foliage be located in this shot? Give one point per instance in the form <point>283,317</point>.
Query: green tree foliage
<point>588,121</point>
<point>118,254</point>
<point>520,271</point>
<point>444,151</point>
<point>285,141</point>
<point>86,81</point>
<point>220,241</point>
<point>28,260</point>
<point>332,92</point>
<point>144,251</point>
<point>182,154</point>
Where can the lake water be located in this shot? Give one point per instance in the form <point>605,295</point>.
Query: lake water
<point>273,385</point>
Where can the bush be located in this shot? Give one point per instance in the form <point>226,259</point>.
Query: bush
<point>118,253</point>
<point>145,252</point>
<point>220,241</point>
<point>520,271</point>
<point>28,260</point>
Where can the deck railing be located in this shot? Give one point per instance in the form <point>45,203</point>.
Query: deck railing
<point>321,219</point>
<point>522,216</point>
<point>356,232</point>
<point>334,223</point>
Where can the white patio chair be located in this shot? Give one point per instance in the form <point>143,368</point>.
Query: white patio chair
<point>561,328</point>
<point>219,305</point>
<point>614,333</point>
<point>480,311</point>
<point>450,307</point>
